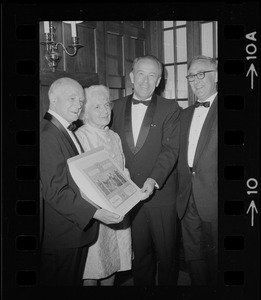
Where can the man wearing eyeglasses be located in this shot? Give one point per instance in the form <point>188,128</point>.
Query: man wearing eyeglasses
<point>197,202</point>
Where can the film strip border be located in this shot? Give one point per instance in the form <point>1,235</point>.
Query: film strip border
<point>239,148</point>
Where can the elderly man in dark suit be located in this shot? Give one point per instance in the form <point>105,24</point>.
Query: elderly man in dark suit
<point>197,201</point>
<point>149,130</point>
<point>69,221</point>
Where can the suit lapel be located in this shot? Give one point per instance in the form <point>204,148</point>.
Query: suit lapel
<point>206,130</point>
<point>186,129</point>
<point>66,137</point>
<point>146,124</point>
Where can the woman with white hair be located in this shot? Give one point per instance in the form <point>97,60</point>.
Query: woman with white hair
<point>112,251</point>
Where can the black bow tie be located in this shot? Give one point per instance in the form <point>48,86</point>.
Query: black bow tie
<point>72,127</point>
<point>205,104</point>
<point>135,101</point>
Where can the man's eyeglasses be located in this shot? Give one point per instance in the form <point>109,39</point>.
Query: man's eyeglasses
<point>200,75</point>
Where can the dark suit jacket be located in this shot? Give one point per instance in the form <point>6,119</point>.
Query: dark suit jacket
<point>203,183</point>
<point>67,216</point>
<point>157,146</point>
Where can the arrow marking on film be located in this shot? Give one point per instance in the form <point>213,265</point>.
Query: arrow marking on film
<point>253,208</point>
<point>253,71</point>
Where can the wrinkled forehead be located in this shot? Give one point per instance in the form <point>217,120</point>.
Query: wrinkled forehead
<point>147,63</point>
<point>201,65</point>
<point>70,89</point>
<point>99,97</point>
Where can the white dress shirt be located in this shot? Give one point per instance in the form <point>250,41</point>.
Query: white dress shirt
<point>137,116</point>
<point>65,125</point>
<point>199,116</point>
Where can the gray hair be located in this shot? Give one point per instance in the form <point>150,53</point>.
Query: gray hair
<point>92,93</point>
<point>151,57</point>
<point>211,60</point>
<point>58,83</point>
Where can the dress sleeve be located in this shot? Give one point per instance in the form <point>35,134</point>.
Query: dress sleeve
<point>83,140</point>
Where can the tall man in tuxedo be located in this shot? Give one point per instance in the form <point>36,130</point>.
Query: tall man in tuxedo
<point>149,130</point>
<point>69,221</point>
<point>197,201</point>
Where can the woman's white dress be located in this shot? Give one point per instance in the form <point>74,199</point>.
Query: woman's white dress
<point>112,252</point>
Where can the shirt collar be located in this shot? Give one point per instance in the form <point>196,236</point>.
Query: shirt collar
<point>59,118</point>
<point>210,99</point>
<point>135,97</point>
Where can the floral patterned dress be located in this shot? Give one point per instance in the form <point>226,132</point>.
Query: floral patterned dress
<point>112,252</point>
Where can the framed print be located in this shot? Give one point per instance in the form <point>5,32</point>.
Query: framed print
<point>102,182</point>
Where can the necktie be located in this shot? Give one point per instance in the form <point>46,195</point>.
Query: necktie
<point>135,101</point>
<point>205,104</point>
<point>72,127</point>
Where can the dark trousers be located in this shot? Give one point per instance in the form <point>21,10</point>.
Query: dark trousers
<point>153,240</point>
<point>62,267</point>
<point>200,240</point>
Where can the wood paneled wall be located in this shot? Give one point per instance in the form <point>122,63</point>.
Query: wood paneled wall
<point>106,58</point>
<point>124,41</point>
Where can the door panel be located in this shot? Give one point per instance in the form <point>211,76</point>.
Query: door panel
<point>125,41</point>
<point>106,58</point>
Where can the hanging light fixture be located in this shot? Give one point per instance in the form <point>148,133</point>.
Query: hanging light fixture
<point>52,55</point>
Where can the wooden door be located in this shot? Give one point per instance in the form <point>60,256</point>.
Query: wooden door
<point>124,41</point>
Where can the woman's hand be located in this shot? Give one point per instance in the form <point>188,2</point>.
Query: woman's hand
<point>107,217</point>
